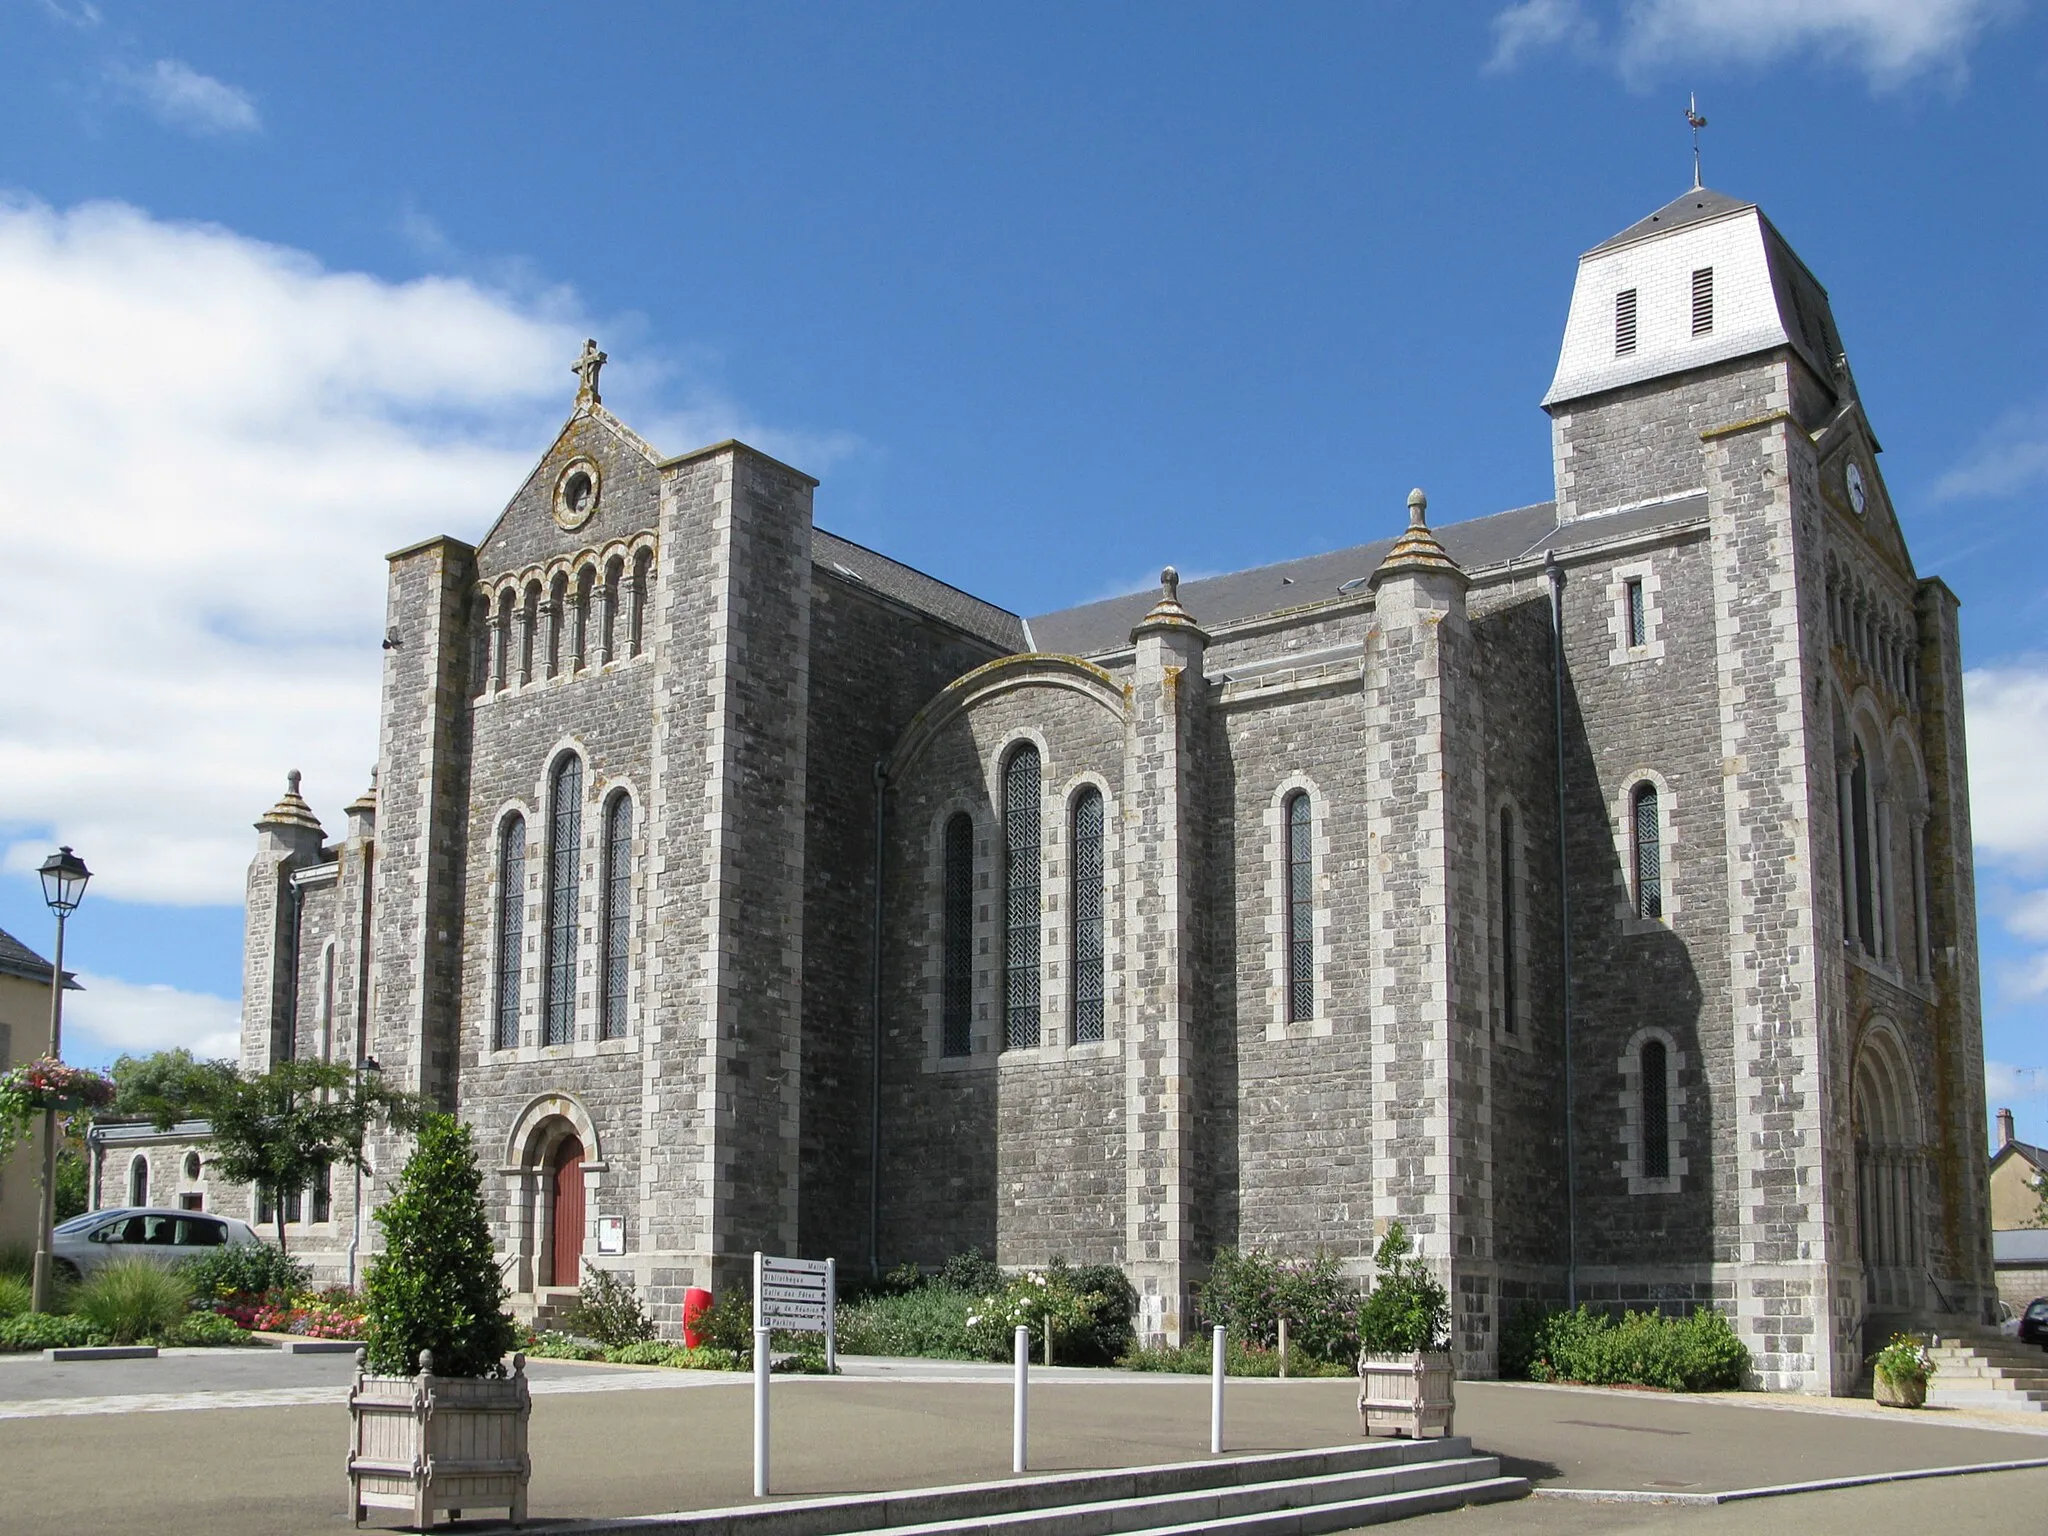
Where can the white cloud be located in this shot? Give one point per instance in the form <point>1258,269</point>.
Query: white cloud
<point>1535,25</point>
<point>1890,41</point>
<point>2006,1084</point>
<point>212,443</point>
<point>2007,709</point>
<point>110,1016</point>
<point>179,96</point>
<point>2010,456</point>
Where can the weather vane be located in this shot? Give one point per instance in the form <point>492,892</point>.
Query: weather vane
<point>1693,118</point>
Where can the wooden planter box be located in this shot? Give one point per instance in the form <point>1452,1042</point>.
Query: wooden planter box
<point>430,1443</point>
<point>1899,1391</point>
<point>1408,1395</point>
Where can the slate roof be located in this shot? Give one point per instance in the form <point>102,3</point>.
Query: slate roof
<point>927,594</point>
<point>1094,629</point>
<point>2038,1156</point>
<point>17,959</point>
<point>2020,1245</point>
<point>1696,207</point>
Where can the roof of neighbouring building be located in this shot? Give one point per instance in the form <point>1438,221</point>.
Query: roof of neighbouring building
<point>2038,1156</point>
<point>17,959</point>
<point>914,589</point>
<point>1476,544</point>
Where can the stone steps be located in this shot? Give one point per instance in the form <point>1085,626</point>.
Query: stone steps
<point>1292,1494</point>
<point>1981,1369</point>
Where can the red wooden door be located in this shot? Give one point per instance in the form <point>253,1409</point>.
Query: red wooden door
<point>568,1203</point>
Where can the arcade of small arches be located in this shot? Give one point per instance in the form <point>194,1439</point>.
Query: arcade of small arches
<point>1882,814</point>
<point>553,870</point>
<point>563,619</point>
<point>1877,631</point>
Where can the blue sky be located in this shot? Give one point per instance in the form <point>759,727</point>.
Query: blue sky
<point>1046,295</point>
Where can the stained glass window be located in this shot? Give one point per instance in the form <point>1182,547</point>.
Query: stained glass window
<point>1656,1113</point>
<point>618,911</point>
<point>511,929</point>
<point>1087,910</point>
<point>565,851</point>
<point>956,1001</point>
<point>1649,854</point>
<point>1022,905</point>
<point>1301,912</point>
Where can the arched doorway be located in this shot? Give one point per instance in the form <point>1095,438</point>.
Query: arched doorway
<point>565,1204</point>
<point>1889,1153</point>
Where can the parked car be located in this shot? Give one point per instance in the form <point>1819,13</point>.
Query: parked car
<point>86,1243</point>
<point>2034,1322</point>
<point>2008,1321</point>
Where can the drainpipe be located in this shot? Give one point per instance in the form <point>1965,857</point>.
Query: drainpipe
<point>1555,573</point>
<point>875,1043</point>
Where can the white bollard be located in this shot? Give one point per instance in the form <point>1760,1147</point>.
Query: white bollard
<point>1283,1349</point>
<point>760,1413</point>
<point>1019,1410</point>
<point>1216,1393</point>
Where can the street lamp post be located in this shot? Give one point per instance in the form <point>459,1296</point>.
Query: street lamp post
<point>64,876</point>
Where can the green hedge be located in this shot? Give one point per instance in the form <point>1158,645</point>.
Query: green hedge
<point>1239,1359</point>
<point>930,1322</point>
<point>1700,1353</point>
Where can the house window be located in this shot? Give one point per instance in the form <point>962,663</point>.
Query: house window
<point>1649,853</point>
<point>1636,617</point>
<point>1625,322</point>
<point>1087,910</point>
<point>565,848</point>
<point>1301,910</point>
<point>511,930</point>
<point>1656,1111</point>
<point>323,1193</point>
<point>1510,960</point>
<point>618,911</point>
<point>1702,300</point>
<point>1023,906</point>
<point>138,1180</point>
<point>956,994</point>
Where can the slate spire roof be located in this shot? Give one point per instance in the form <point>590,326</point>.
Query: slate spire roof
<point>1697,206</point>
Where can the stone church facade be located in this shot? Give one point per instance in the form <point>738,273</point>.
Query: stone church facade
<point>1585,886</point>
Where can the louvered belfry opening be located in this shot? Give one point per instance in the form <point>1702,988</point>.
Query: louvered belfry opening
<point>1702,301</point>
<point>1301,913</point>
<point>1021,837</point>
<point>511,930</point>
<point>1624,322</point>
<point>565,849</point>
<point>956,999</point>
<point>1087,910</point>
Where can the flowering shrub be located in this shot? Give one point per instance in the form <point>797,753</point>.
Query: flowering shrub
<point>329,1314</point>
<point>1037,1299</point>
<point>1250,1290</point>
<point>29,1089</point>
<point>1904,1361</point>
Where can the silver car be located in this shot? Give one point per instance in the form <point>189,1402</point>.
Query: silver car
<point>86,1243</point>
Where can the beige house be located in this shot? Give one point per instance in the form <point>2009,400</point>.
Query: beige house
<point>2015,1198</point>
<point>24,1035</point>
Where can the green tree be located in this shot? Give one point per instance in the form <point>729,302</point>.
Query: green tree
<point>436,1285</point>
<point>2040,1182</point>
<point>149,1085</point>
<point>279,1130</point>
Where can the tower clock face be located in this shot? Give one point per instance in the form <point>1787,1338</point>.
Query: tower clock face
<point>1853,480</point>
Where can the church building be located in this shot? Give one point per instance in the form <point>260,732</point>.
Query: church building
<point>1586,886</point>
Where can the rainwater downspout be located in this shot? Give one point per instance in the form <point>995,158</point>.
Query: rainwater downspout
<point>875,1042</point>
<point>1555,573</point>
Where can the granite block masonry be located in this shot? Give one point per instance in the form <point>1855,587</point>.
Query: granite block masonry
<point>1585,886</point>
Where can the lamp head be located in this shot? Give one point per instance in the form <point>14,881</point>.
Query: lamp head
<point>64,877</point>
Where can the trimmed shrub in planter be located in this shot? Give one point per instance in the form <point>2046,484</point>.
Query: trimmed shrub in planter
<point>1405,1371</point>
<point>453,1436</point>
<point>1899,1372</point>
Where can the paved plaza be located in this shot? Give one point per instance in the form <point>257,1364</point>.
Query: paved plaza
<point>253,1443</point>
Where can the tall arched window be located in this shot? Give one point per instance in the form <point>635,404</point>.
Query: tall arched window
<point>1656,1092</point>
<point>1649,852</point>
<point>618,911</point>
<point>1510,958</point>
<point>1864,873</point>
<point>138,1180</point>
<point>565,848</point>
<point>956,996</point>
<point>643,578</point>
<point>511,930</point>
<point>1087,910</point>
<point>1301,910</point>
<point>1023,905</point>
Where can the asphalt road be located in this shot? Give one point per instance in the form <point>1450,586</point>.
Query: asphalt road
<point>614,1442</point>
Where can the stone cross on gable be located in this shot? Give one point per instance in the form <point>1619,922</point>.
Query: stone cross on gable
<point>586,371</point>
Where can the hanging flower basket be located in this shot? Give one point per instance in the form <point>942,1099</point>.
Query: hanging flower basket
<point>30,1089</point>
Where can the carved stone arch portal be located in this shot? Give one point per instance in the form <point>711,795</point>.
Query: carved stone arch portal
<point>1890,1169</point>
<point>553,1162</point>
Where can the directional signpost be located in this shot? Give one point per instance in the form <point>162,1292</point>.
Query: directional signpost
<point>799,1294</point>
